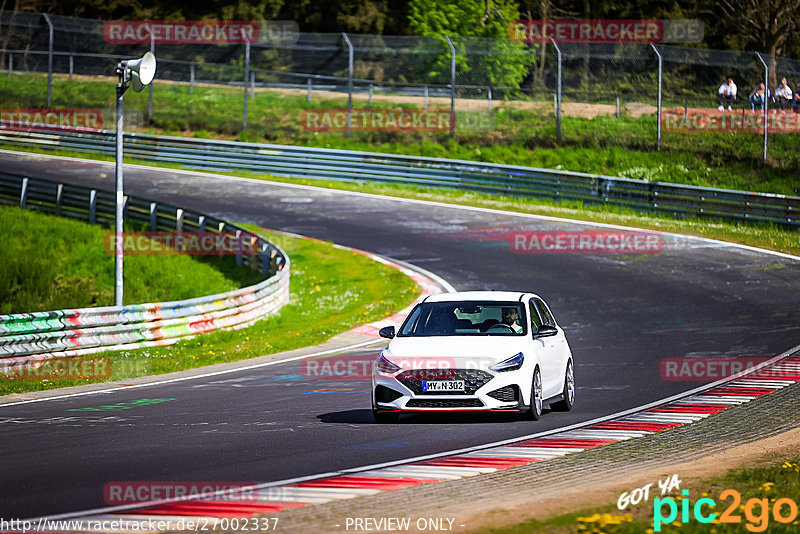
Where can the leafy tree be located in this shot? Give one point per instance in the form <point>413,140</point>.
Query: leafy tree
<point>499,62</point>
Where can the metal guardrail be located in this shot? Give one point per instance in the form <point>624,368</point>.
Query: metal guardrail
<point>345,165</point>
<point>43,335</point>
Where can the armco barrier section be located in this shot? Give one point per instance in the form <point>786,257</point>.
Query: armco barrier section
<point>42,335</point>
<point>346,165</point>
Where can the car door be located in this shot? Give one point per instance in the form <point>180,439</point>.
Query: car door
<point>546,348</point>
<point>557,348</point>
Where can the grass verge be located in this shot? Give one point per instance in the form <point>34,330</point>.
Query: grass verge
<point>50,263</point>
<point>332,290</point>
<point>520,134</point>
<point>760,490</point>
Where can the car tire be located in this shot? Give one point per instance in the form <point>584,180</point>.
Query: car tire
<point>568,394</point>
<point>535,410</point>
<point>384,417</point>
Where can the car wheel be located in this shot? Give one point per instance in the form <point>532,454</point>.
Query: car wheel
<point>535,411</point>
<point>384,417</point>
<point>568,395</point>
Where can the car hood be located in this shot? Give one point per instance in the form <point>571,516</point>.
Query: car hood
<point>452,351</point>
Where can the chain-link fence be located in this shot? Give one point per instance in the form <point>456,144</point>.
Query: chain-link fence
<point>446,73</point>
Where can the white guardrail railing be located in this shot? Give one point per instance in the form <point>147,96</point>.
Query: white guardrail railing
<point>348,165</point>
<point>43,335</point>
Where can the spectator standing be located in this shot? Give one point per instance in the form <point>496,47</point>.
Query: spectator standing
<point>757,97</point>
<point>783,96</point>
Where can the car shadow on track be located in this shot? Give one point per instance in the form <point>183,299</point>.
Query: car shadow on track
<point>365,417</point>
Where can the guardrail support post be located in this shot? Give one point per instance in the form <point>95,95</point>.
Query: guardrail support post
<point>49,61</point>
<point>191,78</point>
<point>59,197</point>
<point>558,91</point>
<point>153,216</point>
<point>308,93</point>
<point>452,86</point>
<point>92,206</point>
<point>179,220</point>
<point>201,223</point>
<point>238,247</point>
<point>349,82</point>
<point>71,66</point>
<point>766,93</point>
<point>23,194</point>
<point>660,64</point>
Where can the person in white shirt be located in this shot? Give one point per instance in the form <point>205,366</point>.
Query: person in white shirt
<point>727,94</point>
<point>783,96</point>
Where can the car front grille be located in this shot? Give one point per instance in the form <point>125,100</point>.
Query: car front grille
<point>505,394</point>
<point>444,403</point>
<point>474,379</point>
<point>384,394</point>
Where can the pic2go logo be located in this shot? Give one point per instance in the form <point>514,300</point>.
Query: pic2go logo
<point>756,511</point>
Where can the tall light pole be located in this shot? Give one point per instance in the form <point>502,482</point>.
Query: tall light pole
<point>136,73</point>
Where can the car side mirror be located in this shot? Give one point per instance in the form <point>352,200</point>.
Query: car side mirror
<point>387,332</point>
<point>545,331</point>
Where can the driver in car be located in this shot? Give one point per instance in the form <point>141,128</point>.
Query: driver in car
<point>511,319</point>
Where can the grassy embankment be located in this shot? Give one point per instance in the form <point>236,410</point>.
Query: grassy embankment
<point>332,290</point>
<point>524,134</point>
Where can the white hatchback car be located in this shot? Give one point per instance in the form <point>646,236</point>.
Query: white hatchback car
<point>474,351</point>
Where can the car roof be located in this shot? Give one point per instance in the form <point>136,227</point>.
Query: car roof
<point>500,296</point>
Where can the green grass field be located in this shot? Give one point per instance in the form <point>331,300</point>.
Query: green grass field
<point>51,263</point>
<point>332,290</point>
<point>606,145</point>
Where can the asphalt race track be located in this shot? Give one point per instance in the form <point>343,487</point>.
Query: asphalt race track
<point>622,314</point>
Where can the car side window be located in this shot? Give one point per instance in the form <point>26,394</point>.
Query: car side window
<point>547,317</point>
<point>536,322</point>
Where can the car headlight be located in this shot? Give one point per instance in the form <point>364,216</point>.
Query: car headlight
<point>511,364</point>
<point>385,366</point>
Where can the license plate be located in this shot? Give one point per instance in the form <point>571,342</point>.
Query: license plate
<point>443,385</point>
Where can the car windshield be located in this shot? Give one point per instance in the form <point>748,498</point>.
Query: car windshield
<point>479,318</point>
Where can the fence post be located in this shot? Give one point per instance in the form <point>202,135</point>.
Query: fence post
<point>71,66</point>
<point>10,63</point>
<point>452,86</point>
<point>558,92</point>
<point>23,194</point>
<point>252,85</point>
<point>490,98</point>
<point>153,216</point>
<point>191,78</point>
<point>370,95</point>
<point>49,62</point>
<point>246,75</point>
<point>349,82</point>
<point>426,97</point>
<point>308,93</point>
<point>150,86</point>
<point>93,206</point>
<point>766,94</point>
<point>658,118</point>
